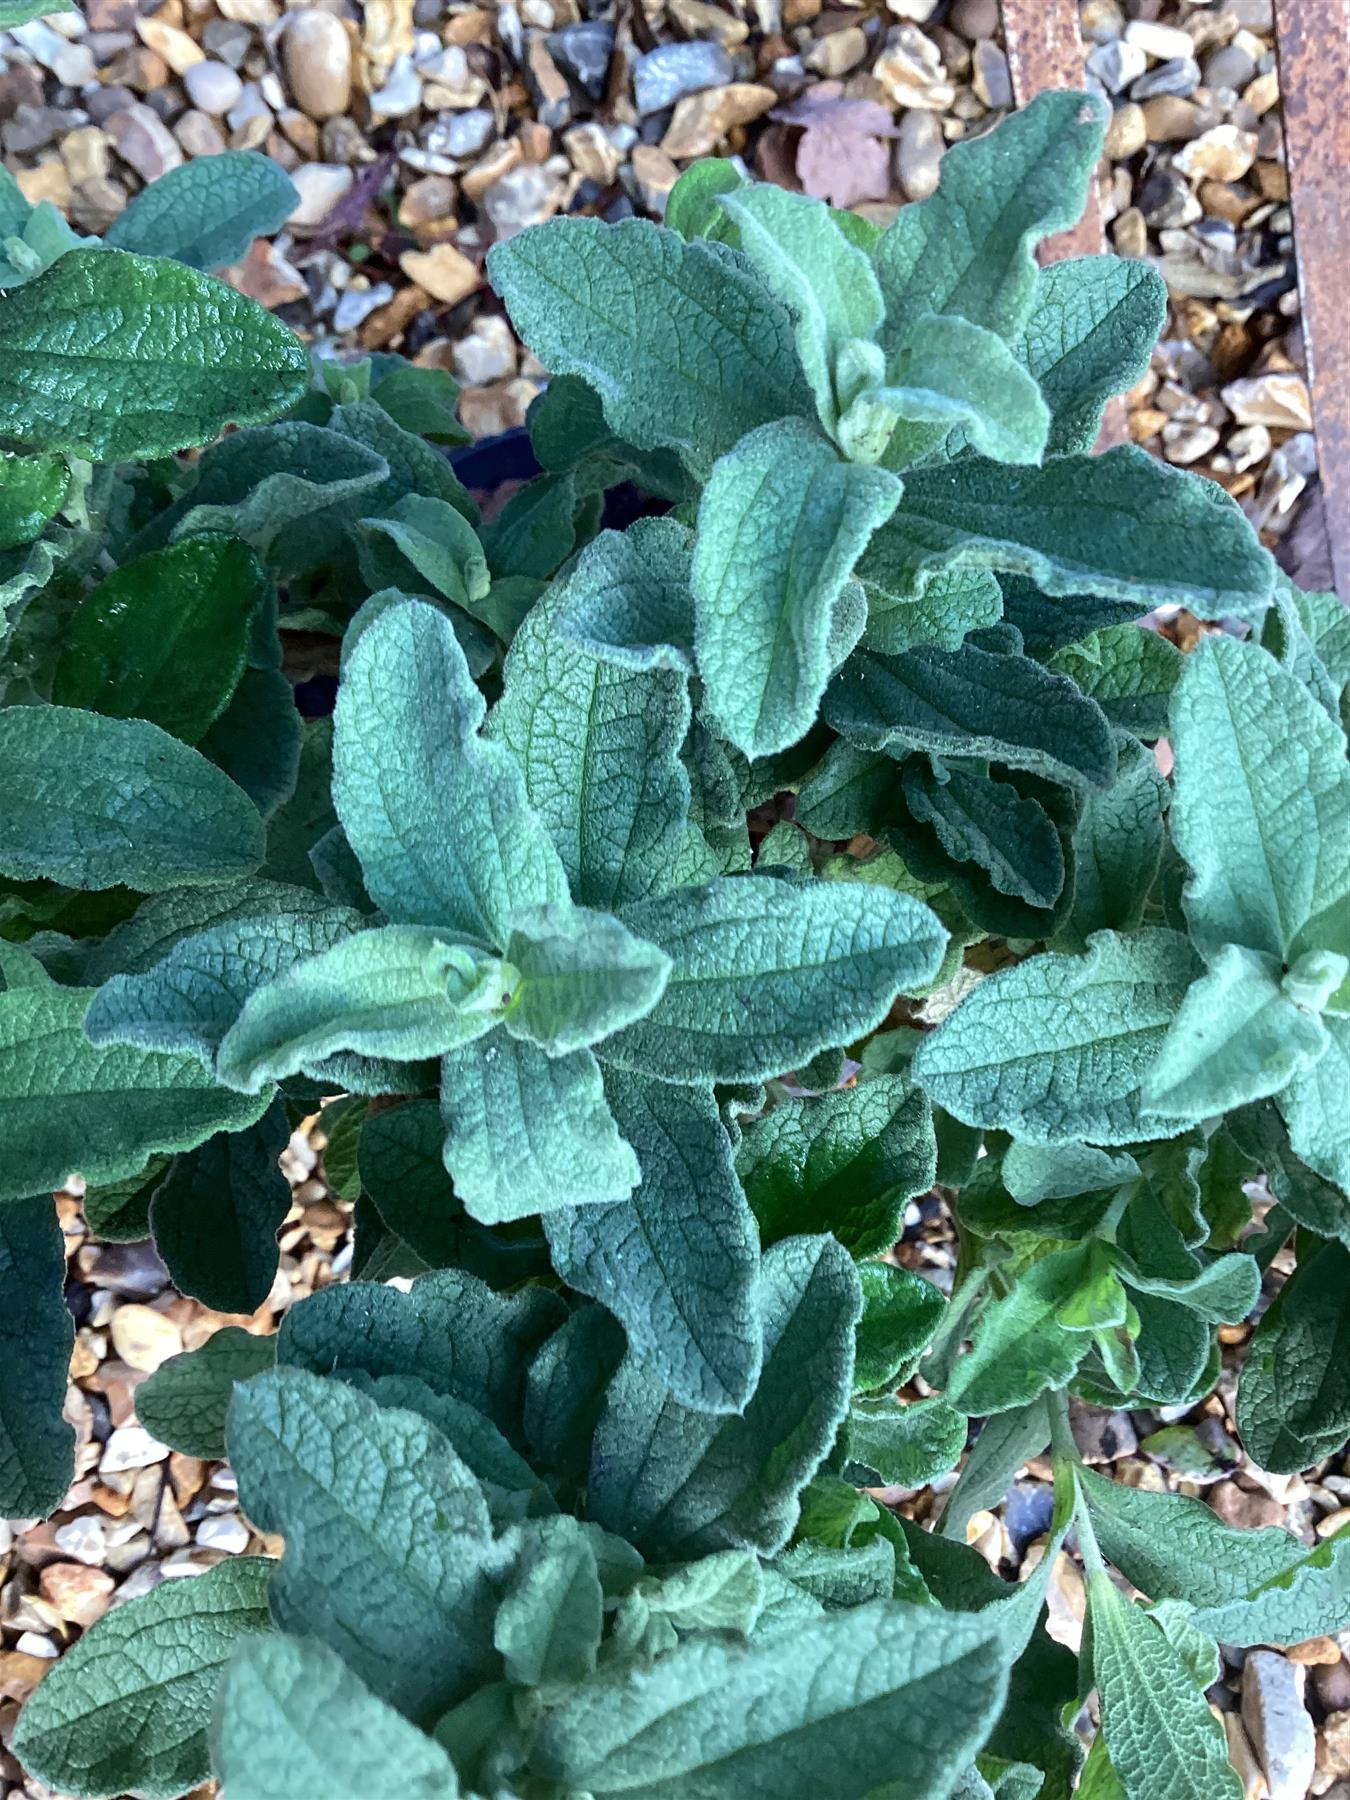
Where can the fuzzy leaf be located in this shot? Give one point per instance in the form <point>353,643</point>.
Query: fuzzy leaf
<point>183,1403</point>
<point>685,346</point>
<point>1020,1347</point>
<point>851,1158</point>
<point>207,212</point>
<point>767,974</point>
<point>781,523</point>
<point>676,1263</point>
<point>582,977</point>
<point>37,1460</point>
<point>100,803</point>
<point>909,1444</point>
<point>1164,1742</point>
<point>969,248</point>
<point>952,375</point>
<point>1056,1048</point>
<point>115,356</point>
<point>979,820</point>
<point>437,815</point>
<point>974,702</point>
<point>1117,848</point>
<point>389,1557</point>
<point>549,1622</point>
<point>1123,526</point>
<point>843,1702</point>
<point>1090,333</point>
<point>273,1736</point>
<point>1294,1396</point>
<point>32,490</point>
<point>678,1483</point>
<point>67,1105</point>
<point>901,1311</point>
<point>1261,810</point>
<point>527,1132</point>
<point>1316,1107</point>
<point>1130,673</point>
<point>127,1707</point>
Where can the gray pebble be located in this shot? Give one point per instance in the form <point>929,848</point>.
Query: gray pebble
<point>992,81</point>
<point>213,87</point>
<point>1116,64</point>
<point>664,74</point>
<point>975,19</point>
<point>459,134</point>
<point>1179,76</point>
<point>583,52</point>
<point>1230,67</point>
<point>226,39</point>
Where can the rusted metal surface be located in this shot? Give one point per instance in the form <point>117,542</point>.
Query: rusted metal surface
<point>1314,53</point>
<point>1045,50</point>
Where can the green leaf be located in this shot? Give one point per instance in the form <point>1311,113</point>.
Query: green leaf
<point>100,803</point>
<point>401,991</point>
<point>908,1443</point>
<point>851,1159</point>
<point>1261,808</point>
<point>33,490</point>
<point>1090,333</point>
<point>1293,1402</point>
<point>1237,1038</point>
<point>549,1622</point>
<point>527,1132</point>
<point>207,212</point>
<point>67,1105</point>
<point>183,1403</point>
<point>628,599</point>
<point>979,820</point>
<point>189,973</point>
<point>1117,848</point>
<point>116,356</point>
<point>1033,1174</point>
<point>901,1311</point>
<point>1005,1442</point>
<point>599,743</point>
<point>423,401</point>
<point>451,1332</point>
<point>974,702</point>
<point>1055,1049</point>
<point>1164,1742</point>
<point>1129,672</point>
<point>379,1494</point>
<point>291,1719</point>
<point>678,1483</point>
<point>683,343</point>
<point>677,1262</point>
<point>781,523</point>
<point>1020,1346</point>
<point>127,1707</point>
<point>413,467</point>
<point>969,248</point>
<point>258,738</point>
<point>119,1213</point>
<point>1261,1587</point>
<point>565,1391</point>
<point>767,974</point>
<point>216,1215</point>
<point>437,815</point>
<point>582,977</point>
<point>952,375</point>
<point>19,12</point>
<point>825,281</point>
<point>535,531</point>
<point>1316,1107</point>
<point>693,206</point>
<point>949,604</point>
<point>1123,526</point>
<point>164,638</point>
<point>441,546</point>
<point>873,1693</point>
<point>37,1447</point>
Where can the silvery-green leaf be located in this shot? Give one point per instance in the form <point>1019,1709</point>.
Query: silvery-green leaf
<point>1118,847</point>
<point>207,212</point>
<point>953,375</point>
<point>582,976</point>
<point>1294,1396</point>
<point>549,1622</point>
<point>184,1401</point>
<point>1316,1107</point>
<point>36,1335</point>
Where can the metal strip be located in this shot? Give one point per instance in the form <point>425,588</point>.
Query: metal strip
<point>1314,53</point>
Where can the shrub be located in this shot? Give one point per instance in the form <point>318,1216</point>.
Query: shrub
<point>668,907</point>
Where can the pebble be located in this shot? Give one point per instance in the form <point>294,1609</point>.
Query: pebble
<point>1221,154</point>
<point>1278,1723</point>
<point>84,1538</point>
<point>992,82</point>
<point>446,273</point>
<point>1235,1506</point>
<point>213,87</point>
<point>918,153</point>
<point>524,196</point>
<point>71,63</point>
<point>400,95</point>
<point>1116,64</point>
<point>1127,133</point>
<point>1170,118</point>
<point>358,303</point>
<point>79,1593</point>
<point>912,71</point>
<point>592,152</point>
<point>654,175</point>
<point>1333,1750</point>
<point>144,141</point>
<point>584,50</point>
<point>86,152</point>
<point>487,354</point>
<point>1231,66</point>
<point>837,52</point>
<point>1186,442</point>
<point>171,42</point>
<point>665,74</point>
<point>1160,43</point>
<point>461,134</point>
<point>130,1447</point>
<point>317,54</point>
<point>975,19</point>
<point>227,40</point>
<point>144,1338</point>
<point>918,12</point>
<point>226,1532</point>
<point>701,121</point>
<point>320,187</point>
<point>1278,400</point>
<point>1179,77</point>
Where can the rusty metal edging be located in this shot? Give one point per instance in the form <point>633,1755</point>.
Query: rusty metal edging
<point>1314,53</point>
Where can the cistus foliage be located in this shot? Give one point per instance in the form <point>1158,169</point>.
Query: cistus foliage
<point>657,914</point>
